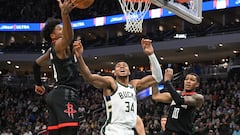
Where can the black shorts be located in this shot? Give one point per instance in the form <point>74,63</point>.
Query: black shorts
<point>62,104</point>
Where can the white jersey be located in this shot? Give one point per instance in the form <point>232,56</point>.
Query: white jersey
<point>121,109</point>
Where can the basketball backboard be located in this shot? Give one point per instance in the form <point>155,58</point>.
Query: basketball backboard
<point>191,11</point>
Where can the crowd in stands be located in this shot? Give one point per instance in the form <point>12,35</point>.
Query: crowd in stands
<point>23,112</point>
<point>39,11</point>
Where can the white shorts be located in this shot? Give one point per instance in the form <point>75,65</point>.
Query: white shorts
<point>111,129</point>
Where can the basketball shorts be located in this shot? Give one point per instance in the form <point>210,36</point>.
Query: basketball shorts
<point>62,103</point>
<point>114,129</point>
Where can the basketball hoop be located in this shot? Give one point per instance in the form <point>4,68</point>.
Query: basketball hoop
<point>134,11</point>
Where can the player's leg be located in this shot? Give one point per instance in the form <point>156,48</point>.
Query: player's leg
<point>66,108</point>
<point>69,131</point>
<point>52,118</point>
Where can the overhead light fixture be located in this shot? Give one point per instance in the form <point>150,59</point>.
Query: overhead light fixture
<point>236,51</point>
<point>160,28</point>
<point>237,20</point>
<point>196,54</point>
<point>180,49</point>
<point>17,67</point>
<point>220,44</point>
<point>9,62</point>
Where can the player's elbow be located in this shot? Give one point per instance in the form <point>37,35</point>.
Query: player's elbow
<point>155,97</point>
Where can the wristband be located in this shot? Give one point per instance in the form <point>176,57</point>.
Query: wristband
<point>37,73</point>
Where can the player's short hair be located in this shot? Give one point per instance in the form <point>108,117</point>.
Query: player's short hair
<point>121,61</point>
<point>50,24</point>
<point>197,76</point>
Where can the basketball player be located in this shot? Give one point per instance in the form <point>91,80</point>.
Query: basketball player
<point>62,100</point>
<point>120,93</point>
<point>183,104</point>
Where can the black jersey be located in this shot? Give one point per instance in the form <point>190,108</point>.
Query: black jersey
<point>65,71</point>
<point>180,118</point>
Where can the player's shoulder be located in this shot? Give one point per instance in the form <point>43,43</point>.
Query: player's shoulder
<point>199,96</point>
<point>134,82</point>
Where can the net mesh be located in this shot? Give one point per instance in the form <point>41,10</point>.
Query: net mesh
<point>134,11</point>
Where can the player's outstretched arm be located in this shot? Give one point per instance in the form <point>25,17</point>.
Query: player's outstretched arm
<point>163,97</point>
<point>94,79</point>
<point>67,31</point>
<point>156,76</point>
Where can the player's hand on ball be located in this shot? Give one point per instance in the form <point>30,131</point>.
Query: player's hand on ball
<point>66,7</point>
<point>39,89</point>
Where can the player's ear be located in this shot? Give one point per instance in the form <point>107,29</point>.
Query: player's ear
<point>129,73</point>
<point>114,73</point>
<point>197,85</point>
<point>52,36</point>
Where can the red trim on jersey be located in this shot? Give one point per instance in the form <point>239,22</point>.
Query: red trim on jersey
<point>188,93</point>
<point>61,125</point>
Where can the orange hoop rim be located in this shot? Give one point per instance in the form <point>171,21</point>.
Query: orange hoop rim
<point>136,1</point>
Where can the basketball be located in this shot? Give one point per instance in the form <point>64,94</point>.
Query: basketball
<point>82,4</point>
<point>183,1</point>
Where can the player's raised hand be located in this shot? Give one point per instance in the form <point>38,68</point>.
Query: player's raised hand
<point>168,74</point>
<point>78,48</point>
<point>147,46</point>
<point>39,89</point>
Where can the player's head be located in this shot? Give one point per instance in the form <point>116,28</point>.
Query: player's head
<point>191,82</point>
<point>121,69</point>
<point>52,30</point>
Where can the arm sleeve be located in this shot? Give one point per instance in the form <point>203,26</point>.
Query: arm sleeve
<point>175,96</point>
<point>156,69</point>
<point>37,73</point>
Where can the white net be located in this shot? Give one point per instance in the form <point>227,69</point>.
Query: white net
<point>134,11</point>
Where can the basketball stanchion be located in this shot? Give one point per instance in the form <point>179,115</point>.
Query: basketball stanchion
<point>134,11</point>
<point>189,10</point>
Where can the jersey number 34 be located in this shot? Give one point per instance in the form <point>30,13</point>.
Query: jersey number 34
<point>129,106</point>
